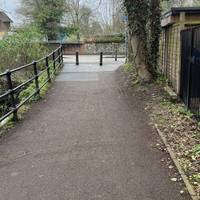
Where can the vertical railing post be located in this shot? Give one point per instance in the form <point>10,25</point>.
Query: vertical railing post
<point>59,56</point>
<point>12,97</point>
<point>101,59</point>
<point>62,55</point>
<point>36,78</point>
<point>48,69</point>
<point>77,58</point>
<point>54,63</point>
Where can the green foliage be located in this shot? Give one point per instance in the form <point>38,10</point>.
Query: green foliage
<point>128,67</point>
<point>166,5</point>
<point>176,108</point>
<point>31,88</point>
<point>67,32</point>
<point>27,92</point>
<point>184,111</point>
<point>115,38</point>
<point>195,153</point>
<point>154,35</point>
<point>138,13</point>
<point>161,79</point>
<point>46,14</point>
<point>145,23</point>
<point>196,178</point>
<point>21,47</point>
<point>72,38</point>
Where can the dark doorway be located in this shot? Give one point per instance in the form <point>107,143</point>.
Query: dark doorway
<point>190,68</point>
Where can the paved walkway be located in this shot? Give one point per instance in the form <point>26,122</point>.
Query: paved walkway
<point>88,140</point>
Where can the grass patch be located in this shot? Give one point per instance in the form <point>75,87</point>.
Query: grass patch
<point>128,67</point>
<point>160,80</point>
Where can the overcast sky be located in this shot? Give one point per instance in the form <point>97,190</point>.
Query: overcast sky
<point>10,7</point>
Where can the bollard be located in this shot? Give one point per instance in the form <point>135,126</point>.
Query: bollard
<point>116,54</point>
<point>101,58</point>
<point>77,58</point>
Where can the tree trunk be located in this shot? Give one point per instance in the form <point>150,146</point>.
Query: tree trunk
<point>139,59</point>
<point>130,51</point>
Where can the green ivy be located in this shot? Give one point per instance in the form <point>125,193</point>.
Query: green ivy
<point>144,17</point>
<point>20,48</point>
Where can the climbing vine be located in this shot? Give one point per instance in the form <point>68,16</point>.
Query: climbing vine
<point>155,30</point>
<point>144,24</point>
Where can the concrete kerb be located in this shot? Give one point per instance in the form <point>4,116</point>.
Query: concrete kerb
<point>189,187</point>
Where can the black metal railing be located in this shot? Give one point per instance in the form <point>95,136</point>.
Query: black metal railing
<point>46,67</point>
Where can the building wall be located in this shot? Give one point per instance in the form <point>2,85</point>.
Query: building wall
<point>170,46</point>
<point>4,28</point>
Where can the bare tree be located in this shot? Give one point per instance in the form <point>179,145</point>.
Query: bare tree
<point>111,13</point>
<point>79,11</point>
<point>196,2</point>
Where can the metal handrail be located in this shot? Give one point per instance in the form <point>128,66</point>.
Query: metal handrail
<point>12,91</point>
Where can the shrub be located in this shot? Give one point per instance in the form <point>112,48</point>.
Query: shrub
<point>21,47</point>
<point>17,49</point>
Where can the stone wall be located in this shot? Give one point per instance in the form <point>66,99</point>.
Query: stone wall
<point>89,48</point>
<point>72,48</point>
<point>106,48</point>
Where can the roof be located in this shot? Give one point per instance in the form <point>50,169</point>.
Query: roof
<point>178,10</point>
<point>4,17</point>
